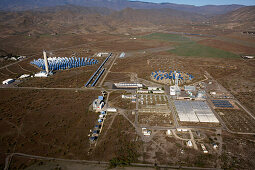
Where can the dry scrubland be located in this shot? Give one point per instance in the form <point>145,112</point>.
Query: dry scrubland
<point>56,123</point>
<point>47,123</point>
<point>238,152</point>
<point>119,142</point>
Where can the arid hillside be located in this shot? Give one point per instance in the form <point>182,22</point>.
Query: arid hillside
<point>238,19</point>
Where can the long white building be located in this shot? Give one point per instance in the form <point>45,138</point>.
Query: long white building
<point>128,85</point>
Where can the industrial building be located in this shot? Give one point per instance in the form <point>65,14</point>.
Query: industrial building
<point>128,85</point>
<point>98,104</point>
<point>194,111</point>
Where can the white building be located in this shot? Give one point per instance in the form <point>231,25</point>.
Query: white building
<point>98,105</point>
<point>248,57</point>
<point>168,132</point>
<point>182,130</point>
<point>24,76</point>
<point>128,85</point>
<point>215,146</point>
<point>213,93</point>
<point>122,55</point>
<point>41,74</point>
<point>174,90</point>
<point>146,132</point>
<point>204,148</point>
<point>189,143</point>
<point>143,91</point>
<point>154,88</point>
<point>114,110</point>
<point>128,96</point>
<point>102,54</point>
<point>158,91</point>
<point>201,95</point>
<point>8,81</point>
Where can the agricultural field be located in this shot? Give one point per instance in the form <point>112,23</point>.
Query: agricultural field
<point>187,46</point>
<point>46,122</point>
<point>196,50</point>
<point>229,46</point>
<point>166,37</point>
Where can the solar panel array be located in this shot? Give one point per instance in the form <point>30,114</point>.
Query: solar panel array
<point>222,103</point>
<point>62,63</point>
<point>194,111</point>
<point>171,75</point>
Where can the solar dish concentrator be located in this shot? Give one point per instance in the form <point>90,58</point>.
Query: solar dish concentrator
<point>194,111</point>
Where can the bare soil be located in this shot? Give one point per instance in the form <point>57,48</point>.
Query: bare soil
<point>47,123</point>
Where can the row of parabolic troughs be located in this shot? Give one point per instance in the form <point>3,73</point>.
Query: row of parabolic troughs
<point>62,63</point>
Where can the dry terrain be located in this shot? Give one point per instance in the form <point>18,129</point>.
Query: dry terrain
<point>47,122</point>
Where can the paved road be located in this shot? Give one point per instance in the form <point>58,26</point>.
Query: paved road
<point>48,88</point>
<point>97,162</point>
<point>171,105</point>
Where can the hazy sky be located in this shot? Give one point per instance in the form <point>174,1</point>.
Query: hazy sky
<point>205,2</point>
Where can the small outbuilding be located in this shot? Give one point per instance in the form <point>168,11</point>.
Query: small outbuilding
<point>8,81</point>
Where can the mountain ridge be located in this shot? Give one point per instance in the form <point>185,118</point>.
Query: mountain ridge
<point>17,5</point>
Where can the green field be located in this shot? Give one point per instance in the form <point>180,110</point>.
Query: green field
<point>166,37</point>
<point>197,50</point>
<point>187,47</point>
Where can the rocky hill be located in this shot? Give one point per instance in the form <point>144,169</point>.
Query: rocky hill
<point>77,19</point>
<point>16,5</point>
<point>243,18</point>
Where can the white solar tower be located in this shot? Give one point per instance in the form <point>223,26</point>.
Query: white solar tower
<point>46,62</point>
<point>176,79</point>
